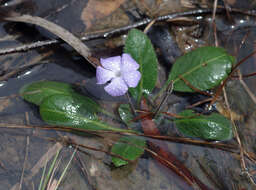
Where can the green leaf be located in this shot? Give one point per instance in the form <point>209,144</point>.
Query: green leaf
<point>36,92</point>
<point>139,46</point>
<point>204,68</point>
<point>73,111</point>
<point>131,150</point>
<point>209,127</point>
<point>125,114</point>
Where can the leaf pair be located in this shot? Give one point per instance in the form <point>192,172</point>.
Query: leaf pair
<point>60,105</point>
<point>203,68</point>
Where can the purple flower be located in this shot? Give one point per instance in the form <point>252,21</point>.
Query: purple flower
<point>120,71</point>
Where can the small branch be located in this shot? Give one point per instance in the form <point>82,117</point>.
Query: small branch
<point>100,132</point>
<point>65,35</point>
<point>214,23</point>
<point>168,93</point>
<point>109,33</point>
<point>234,69</point>
<point>130,103</point>
<point>244,76</point>
<point>247,89</point>
<point>149,26</point>
<point>199,103</point>
<point>240,146</point>
<point>24,164</point>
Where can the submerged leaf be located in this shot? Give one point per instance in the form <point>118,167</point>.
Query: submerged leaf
<point>139,46</point>
<point>204,68</point>
<point>36,92</point>
<point>73,111</point>
<point>129,147</point>
<point>209,127</point>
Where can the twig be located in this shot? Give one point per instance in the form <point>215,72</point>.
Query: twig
<point>65,169</point>
<point>24,164</point>
<point>130,103</point>
<point>244,76</point>
<point>85,172</point>
<point>227,7</point>
<point>168,93</point>
<point>34,62</point>
<point>149,26</point>
<point>73,143</point>
<point>209,177</point>
<point>40,163</point>
<point>100,132</point>
<point>234,69</point>
<point>199,103</point>
<point>214,22</point>
<point>241,149</point>
<point>247,89</point>
<point>109,33</point>
<point>65,35</point>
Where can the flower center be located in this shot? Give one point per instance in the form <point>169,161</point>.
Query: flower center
<point>118,73</point>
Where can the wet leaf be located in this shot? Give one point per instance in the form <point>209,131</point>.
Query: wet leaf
<point>209,127</point>
<point>131,150</point>
<point>125,114</point>
<point>139,46</point>
<point>204,68</point>
<point>72,111</point>
<point>36,92</point>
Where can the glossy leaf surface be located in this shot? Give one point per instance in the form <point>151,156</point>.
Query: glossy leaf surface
<point>72,111</point>
<point>139,46</point>
<point>125,114</point>
<point>36,92</point>
<point>204,68</point>
<point>209,127</point>
<point>129,147</point>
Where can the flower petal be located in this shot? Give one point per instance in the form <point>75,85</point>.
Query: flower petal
<point>111,63</point>
<point>103,75</point>
<point>117,87</point>
<point>128,63</point>
<point>131,78</point>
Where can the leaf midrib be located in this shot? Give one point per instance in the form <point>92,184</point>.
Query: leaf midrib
<point>88,121</point>
<point>198,66</point>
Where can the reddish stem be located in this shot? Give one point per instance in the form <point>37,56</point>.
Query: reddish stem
<point>165,157</point>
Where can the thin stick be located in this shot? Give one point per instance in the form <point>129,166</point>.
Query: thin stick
<point>244,76</point>
<point>130,103</point>
<point>168,93</point>
<point>247,89</point>
<point>149,26</point>
<point>219,90</point>
<point>33,62</point>
<point>73,143</point>
<point>199,103</point>
<point>24,164</point>
<point>109,33</point>
<point>214,23</point>
<point>65,35</point>
<point>241,149</point>
<point>171,139</point>
<point>65,169</point>
<point>85,171</point>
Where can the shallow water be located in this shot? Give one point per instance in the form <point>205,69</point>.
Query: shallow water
<point>61,63</point>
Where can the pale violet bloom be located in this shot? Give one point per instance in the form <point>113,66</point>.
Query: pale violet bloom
<point>121,72</point>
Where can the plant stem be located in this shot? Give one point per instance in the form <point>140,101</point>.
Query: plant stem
<point>167,94</point>
<point>130,103</point>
